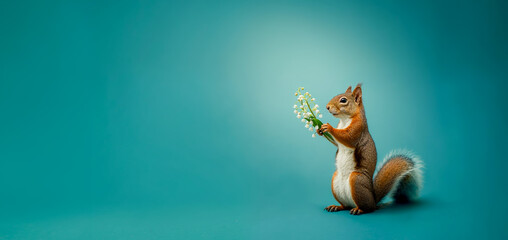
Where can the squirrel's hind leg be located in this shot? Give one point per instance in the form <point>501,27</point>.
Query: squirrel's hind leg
<point>362,193</point>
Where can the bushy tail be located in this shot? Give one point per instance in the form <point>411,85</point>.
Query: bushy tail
<point>399,176</point>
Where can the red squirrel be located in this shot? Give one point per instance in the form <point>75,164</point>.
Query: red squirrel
<point>353,185</point>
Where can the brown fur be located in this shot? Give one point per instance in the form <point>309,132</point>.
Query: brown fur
<point>357,136</point>
<point>362,191</point>
<point>386,177</point>
<point>365,192</point>
<point>350,135</point>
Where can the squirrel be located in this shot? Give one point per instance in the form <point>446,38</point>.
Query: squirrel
<point>354,184</point>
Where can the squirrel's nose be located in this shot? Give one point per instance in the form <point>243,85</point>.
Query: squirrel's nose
<point>328,107</point>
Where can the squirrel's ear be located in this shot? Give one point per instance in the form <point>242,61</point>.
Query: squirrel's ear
<point>348,89</point>
<point>357,93</point>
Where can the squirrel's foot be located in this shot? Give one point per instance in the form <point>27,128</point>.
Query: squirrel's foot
<point>334,208</point>
<point>356,211</point>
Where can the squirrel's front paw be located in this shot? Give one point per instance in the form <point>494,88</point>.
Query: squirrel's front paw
<point>326,128</point>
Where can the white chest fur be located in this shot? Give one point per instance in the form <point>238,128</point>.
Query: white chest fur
<point>345,163</point>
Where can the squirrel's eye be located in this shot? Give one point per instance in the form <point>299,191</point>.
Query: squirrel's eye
<point>343,100</point>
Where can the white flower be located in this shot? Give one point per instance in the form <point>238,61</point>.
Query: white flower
<point>307,93</point>
<point>295,111</point>
<point>298,116</point>
<point>306,125</point>
<point>320,115</point>
<point>313,135</point>
<point>313,99</point>
<point>317,111</point>
<point>316,106</point>
<point>295,106</point>
<point>311,129</point>
<point>301,107</point>
<point>303,120</point>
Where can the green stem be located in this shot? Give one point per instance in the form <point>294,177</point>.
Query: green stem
<point>310,108</point>
<point>326,135</point>
<point>329,137</point>
<point>319,123</point>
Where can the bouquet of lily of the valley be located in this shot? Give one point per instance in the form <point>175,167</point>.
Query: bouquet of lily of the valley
<point>308,111</point>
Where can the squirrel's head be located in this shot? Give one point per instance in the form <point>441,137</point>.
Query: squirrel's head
<point>346,104</point>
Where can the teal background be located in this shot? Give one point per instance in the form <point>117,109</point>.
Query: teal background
<point>173,120</point>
